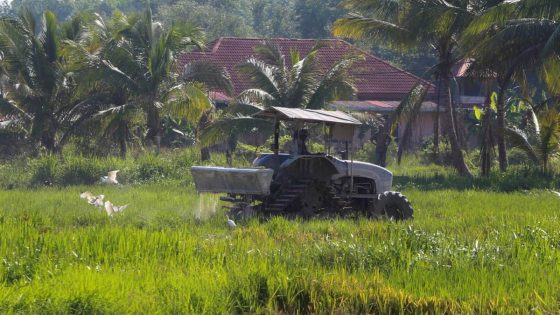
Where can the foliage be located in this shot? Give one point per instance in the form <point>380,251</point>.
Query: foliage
<point>544,144</point>
<point>285,81</point>
<point>39,86</point>
<point>315,17</point>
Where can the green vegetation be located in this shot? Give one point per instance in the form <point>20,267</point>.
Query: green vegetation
<point>466,251</point>
<point>87,83</point>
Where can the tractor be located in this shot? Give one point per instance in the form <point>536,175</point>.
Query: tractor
<point>305,184</point>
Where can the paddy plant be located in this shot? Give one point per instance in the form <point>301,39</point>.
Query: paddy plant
<point>169,252</point>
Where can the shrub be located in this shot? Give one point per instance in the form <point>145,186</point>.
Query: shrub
<point>152,168</point>
<point>77,170</point>
<point>44,170</point>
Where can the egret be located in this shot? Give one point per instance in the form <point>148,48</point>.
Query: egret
<point>556,193</point>
<point>111,178</point>
<point>93,200</point>
<point>112,209</point>
<point>87,195</point>
<point>231,223</point>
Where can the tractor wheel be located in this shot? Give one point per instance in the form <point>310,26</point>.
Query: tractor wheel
<point>392,205</point>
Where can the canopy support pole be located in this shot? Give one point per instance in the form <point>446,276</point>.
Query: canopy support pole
<point>276,135</point>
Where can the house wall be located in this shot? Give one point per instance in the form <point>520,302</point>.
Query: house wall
<point>422,128</point>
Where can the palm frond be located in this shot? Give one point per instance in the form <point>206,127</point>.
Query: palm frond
<point>188,101</point>
<point>270,54</point>
<point>549,137</point>
<point>212,75</point>
<point>549,74</point>
<point>518,139</point>
<point>219,130</point>
<point>408,111</point>
<point>262,75</point>
<point>336,84</point>
<point>384,9</point>
<point>257,97</point>
<point>243,107</point>
<point>552,45</point>
<point>9,107</point>
<point>49,37</point>
<point>357,27</point>
<point>304,80</point>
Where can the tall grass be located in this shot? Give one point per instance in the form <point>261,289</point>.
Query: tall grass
<point>52,170</point>
<point>465,252</point>
<point>173,168</point>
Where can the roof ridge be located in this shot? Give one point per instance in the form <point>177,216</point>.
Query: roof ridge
<point>217,44</point>
<point>280,38</point>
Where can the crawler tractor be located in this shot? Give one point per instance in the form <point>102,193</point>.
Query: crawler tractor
<point>302,184</point>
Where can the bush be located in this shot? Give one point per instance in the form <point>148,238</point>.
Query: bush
<point>77,170</point>
<point>151,167</point>
<point>44,170</point>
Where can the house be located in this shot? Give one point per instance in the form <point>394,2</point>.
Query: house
<point>380,86</point>
<point>469,92</point>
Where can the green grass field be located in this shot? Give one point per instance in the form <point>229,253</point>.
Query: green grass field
<point>466,251</point>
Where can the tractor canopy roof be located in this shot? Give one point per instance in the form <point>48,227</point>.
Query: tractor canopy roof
<point>330,117</point>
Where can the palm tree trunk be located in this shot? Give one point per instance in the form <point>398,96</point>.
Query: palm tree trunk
<point>486,140</point>
<point>500,122</point>
<point>436,123</point>
<point>503,82</point>
<point>231,145</point>
<point>154,125</point>
<point>48,135</point>
<point>383,141</point>
<point>122,144</point>
<point>203,122</point>
<point>456,152</point>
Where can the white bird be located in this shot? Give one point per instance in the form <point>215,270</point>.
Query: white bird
<point>92,199</point>
<point>231,223</point>
<point>111,178</point>
<point>556,193</point>
<point>112,209</point>
<point>97,201</point>
<point>87,195</point>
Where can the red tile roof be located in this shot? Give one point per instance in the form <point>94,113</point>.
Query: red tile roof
<point>375,79</point>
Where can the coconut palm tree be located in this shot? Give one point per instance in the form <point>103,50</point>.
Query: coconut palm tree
<point>138,55</point>
<point>507,42</point>
<point>145,52</point>
<point>410,23</point>
<point>118,123</point>
<point>37,82</point>
<point>281,81</point>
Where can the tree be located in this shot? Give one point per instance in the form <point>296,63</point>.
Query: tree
<point>409,24</point>
<point>225,19</point>
<point>315,17</point>
<point>296,83</point>
<point>507,42</point>
<point>145,52</point>
<point>40,85</point>
<point>118,123</point>
<point>274,18</point>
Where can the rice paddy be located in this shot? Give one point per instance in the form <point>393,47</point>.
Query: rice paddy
<point>466,251</point>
